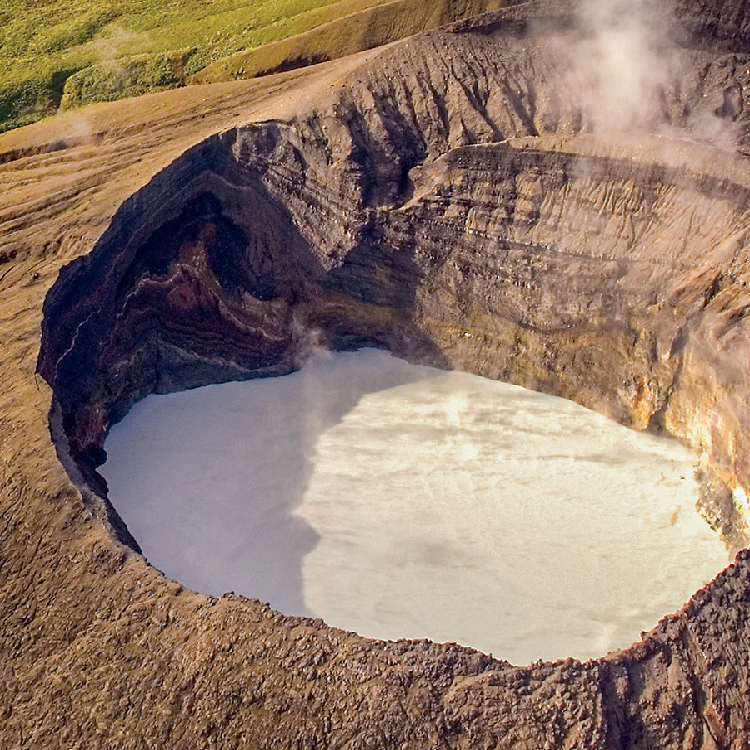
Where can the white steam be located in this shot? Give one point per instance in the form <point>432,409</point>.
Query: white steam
<point>118,42</point>
<point>622,62</point>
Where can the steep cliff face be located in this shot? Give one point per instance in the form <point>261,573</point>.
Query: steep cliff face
<point>462,199</point>
<point>456,202</point>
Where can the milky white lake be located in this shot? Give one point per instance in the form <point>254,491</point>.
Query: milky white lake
<point>408,502</point>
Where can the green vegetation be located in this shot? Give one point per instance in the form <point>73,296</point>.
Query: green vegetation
<point>359,25</point>
<point>57,54</point>
<point>76,51</point>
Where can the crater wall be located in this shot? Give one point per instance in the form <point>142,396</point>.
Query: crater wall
<point>454,204</point>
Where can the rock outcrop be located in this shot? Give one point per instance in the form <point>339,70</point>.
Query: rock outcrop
<point>469,198</point>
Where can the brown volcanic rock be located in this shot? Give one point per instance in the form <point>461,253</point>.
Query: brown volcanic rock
<point>450,199</point>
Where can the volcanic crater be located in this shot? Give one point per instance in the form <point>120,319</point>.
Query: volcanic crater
<point>460,199</point>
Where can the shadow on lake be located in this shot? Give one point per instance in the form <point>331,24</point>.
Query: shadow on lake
<point>207,480</point>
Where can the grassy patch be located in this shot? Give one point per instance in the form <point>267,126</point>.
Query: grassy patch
<point>72,52</point>
<point>121,47</point>
<point>131,76</point>
<point>357,25</point>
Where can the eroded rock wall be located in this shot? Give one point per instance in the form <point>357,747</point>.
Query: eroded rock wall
<point>455,203</point>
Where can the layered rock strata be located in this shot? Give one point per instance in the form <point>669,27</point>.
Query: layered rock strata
<point>460,201</point>
<point>450,206</point>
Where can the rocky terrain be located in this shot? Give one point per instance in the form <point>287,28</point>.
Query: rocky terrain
<point>501,196</point>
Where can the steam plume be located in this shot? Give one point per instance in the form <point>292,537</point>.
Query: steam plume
<point>623,60</point>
